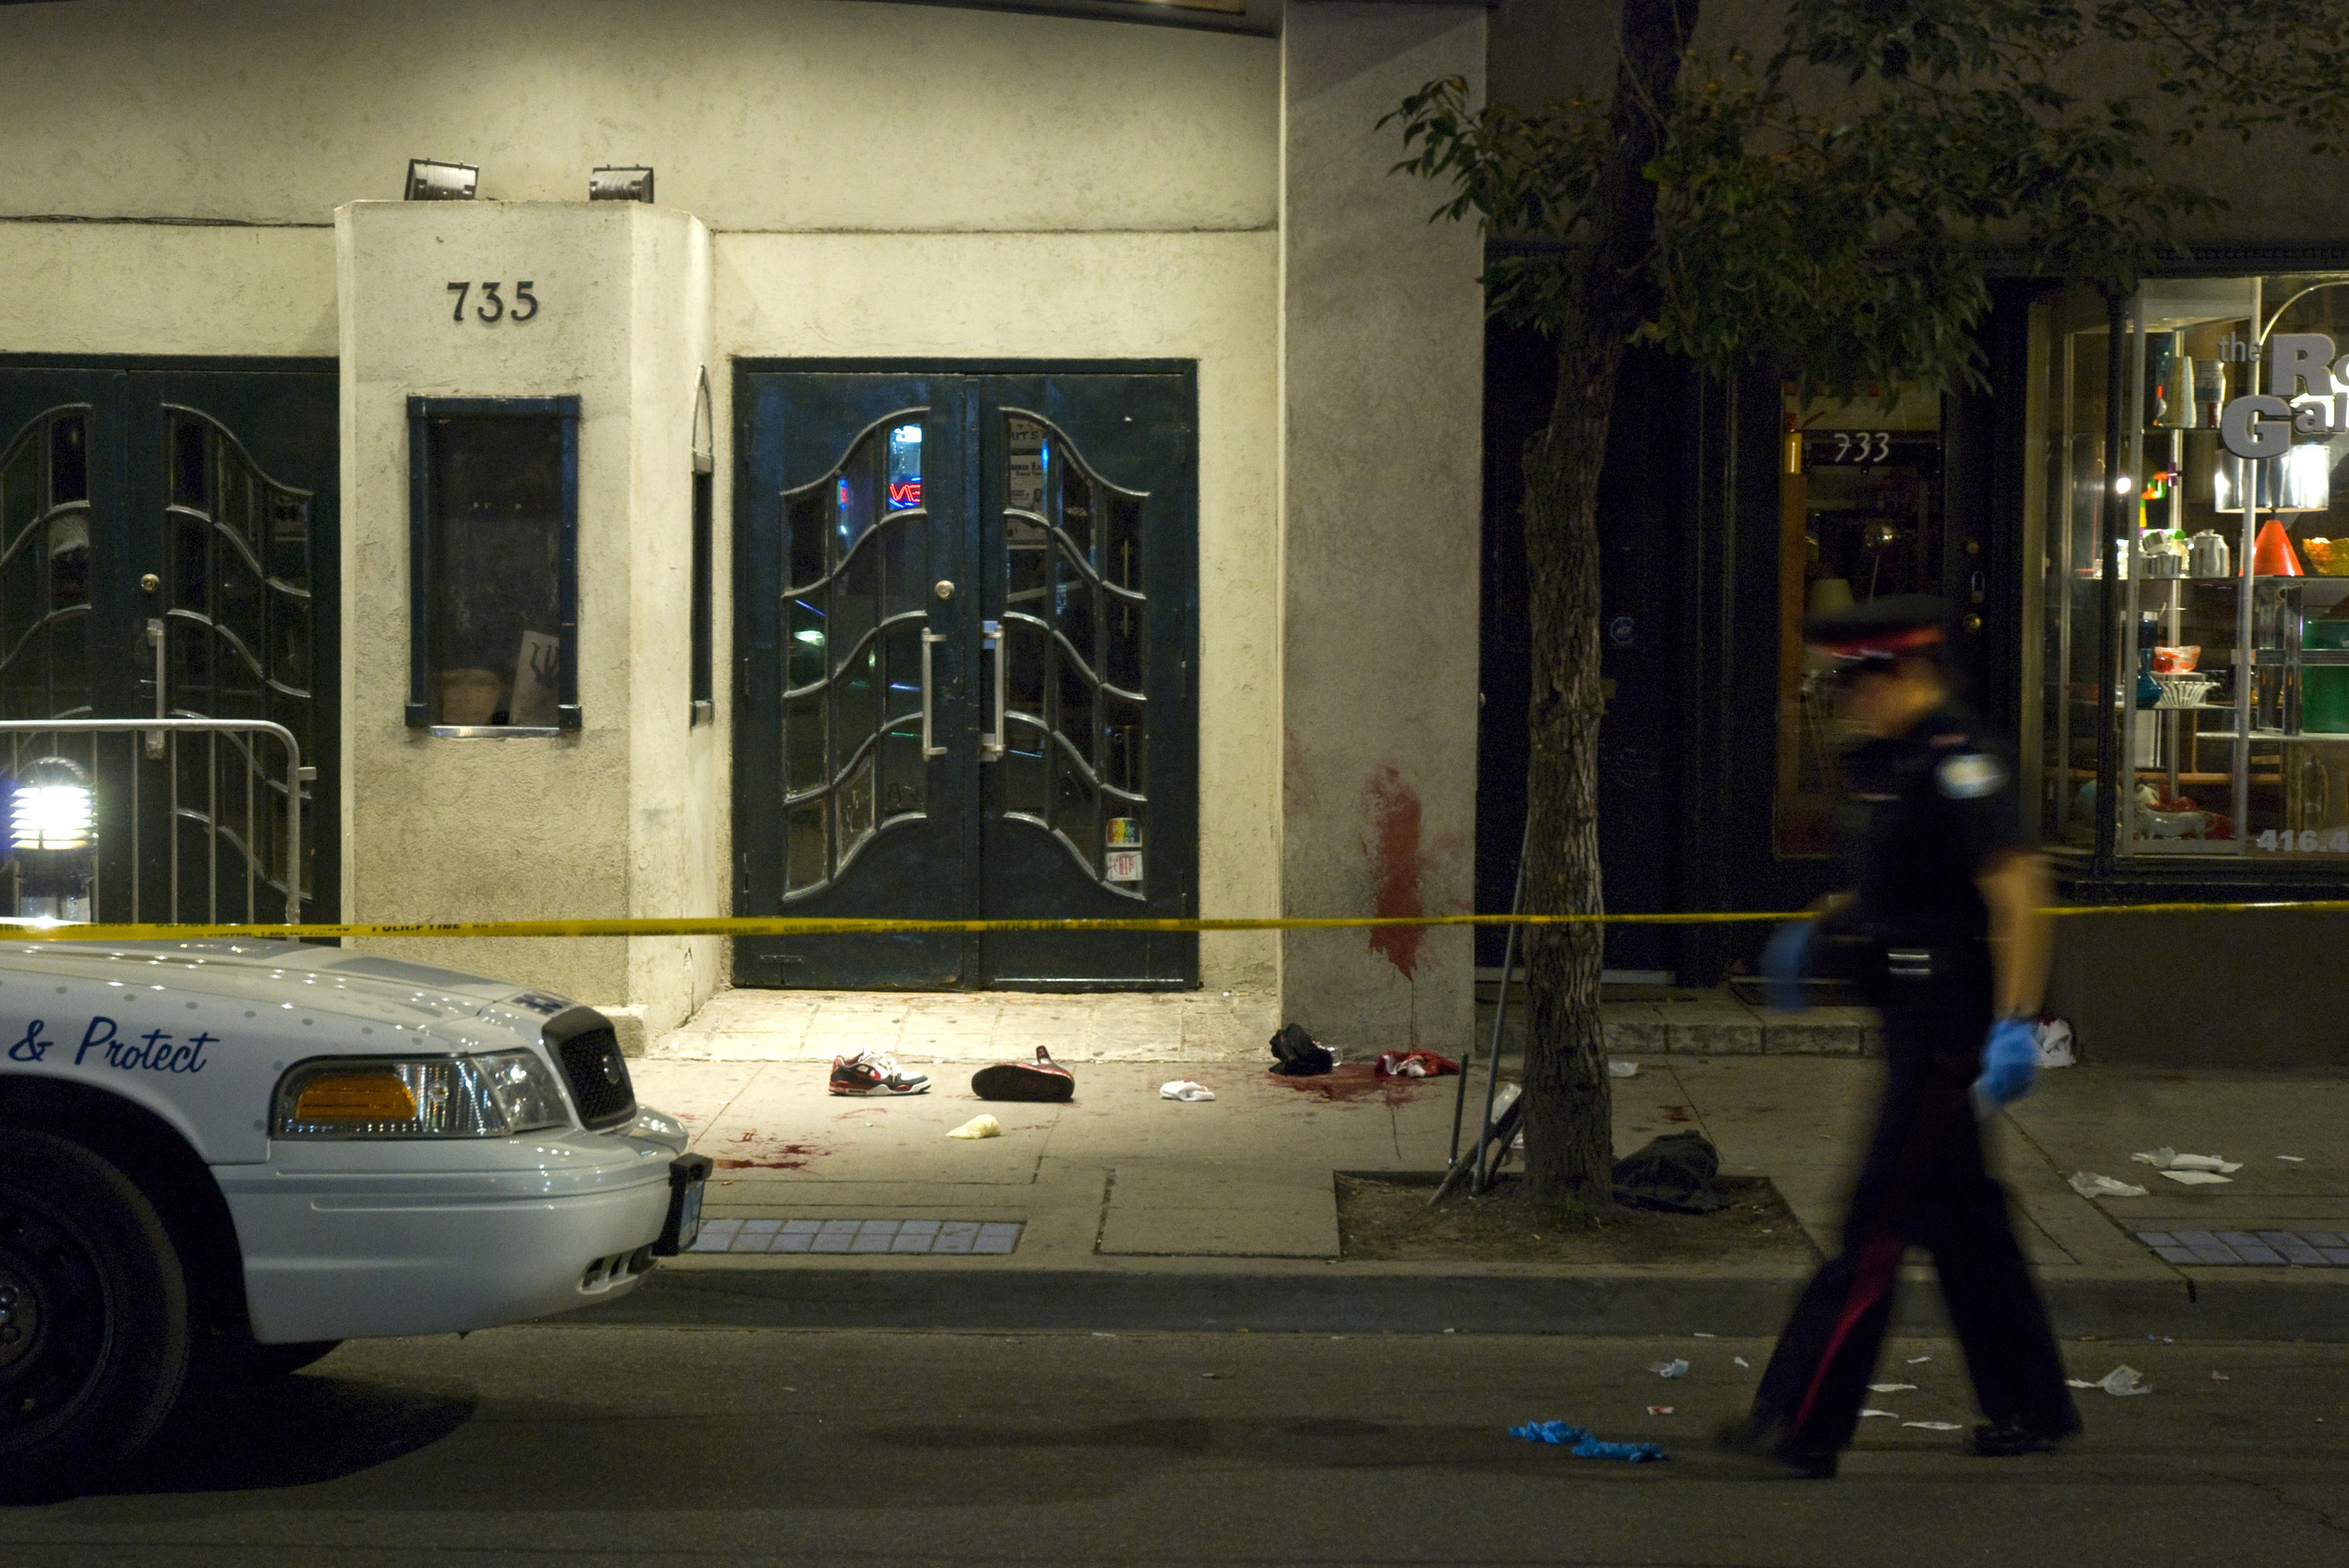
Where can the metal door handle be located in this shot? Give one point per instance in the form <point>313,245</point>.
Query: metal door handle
<point>991,744</point>
<point>162,704</point>
<point>929,640</point>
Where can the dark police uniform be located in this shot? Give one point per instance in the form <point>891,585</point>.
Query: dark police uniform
<point>1929,811</point>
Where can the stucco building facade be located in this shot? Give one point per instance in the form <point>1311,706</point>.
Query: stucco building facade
<point>1162,597</point>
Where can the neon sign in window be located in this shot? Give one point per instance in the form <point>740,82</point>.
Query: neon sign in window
<point>905,467</point>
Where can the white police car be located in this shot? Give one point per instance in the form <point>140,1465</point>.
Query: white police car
<point>220,1158</point>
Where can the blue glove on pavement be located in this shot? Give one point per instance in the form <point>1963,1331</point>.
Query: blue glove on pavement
<point>1784,961</point>
<point>2010,1058</point>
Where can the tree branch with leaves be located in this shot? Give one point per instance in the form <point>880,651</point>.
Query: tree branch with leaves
<point>1832,208</point>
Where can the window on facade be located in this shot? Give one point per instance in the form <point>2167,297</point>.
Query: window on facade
<point>2193,682</point>
<point>705,705</point>
<point>702,697</point>
<point>494,524</point>
<point>1860,517</point>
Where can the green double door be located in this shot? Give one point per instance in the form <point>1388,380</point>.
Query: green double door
<point>966,637</point>
<point>167,547</point>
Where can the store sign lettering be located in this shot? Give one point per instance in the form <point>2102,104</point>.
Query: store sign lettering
<point>2302,374</point>
<point>156,1052</point>
<point>904,493</point>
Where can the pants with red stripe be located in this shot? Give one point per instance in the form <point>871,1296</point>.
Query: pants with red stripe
<point>1924,1185</point>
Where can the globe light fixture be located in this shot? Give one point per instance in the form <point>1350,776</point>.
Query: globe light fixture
<point>53,836</point>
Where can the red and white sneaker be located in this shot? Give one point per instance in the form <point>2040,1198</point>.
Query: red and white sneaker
<point>1413,1063</point>
<point>869,1071</point>
<point>1041,1079</point>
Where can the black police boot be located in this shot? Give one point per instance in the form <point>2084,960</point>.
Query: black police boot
<point>2012,1439</point>
<point>1750,1437</point>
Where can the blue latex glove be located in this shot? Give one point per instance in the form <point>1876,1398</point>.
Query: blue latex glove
<point>1784,961</point>
<point>2010,1059</point>
<point>1583,1445</point>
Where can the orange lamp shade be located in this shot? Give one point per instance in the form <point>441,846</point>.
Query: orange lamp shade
<point>2272,554</point>
<point>355,1098</point>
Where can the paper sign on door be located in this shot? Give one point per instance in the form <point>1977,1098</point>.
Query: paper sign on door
<point>1124,865</point>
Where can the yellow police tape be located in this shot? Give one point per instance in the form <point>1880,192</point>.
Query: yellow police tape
<point>763,925</point>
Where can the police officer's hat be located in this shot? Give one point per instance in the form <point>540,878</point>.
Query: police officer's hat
<point>1880,630</point>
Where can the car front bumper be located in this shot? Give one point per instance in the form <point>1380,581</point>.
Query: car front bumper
<point>362,1239</point>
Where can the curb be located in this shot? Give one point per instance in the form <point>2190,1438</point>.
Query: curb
<point>1179,1301</point>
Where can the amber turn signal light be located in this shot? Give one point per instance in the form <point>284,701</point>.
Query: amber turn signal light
<point>355,1098</point>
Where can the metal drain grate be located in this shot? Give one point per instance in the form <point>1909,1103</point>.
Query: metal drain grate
<point>2306,1248</point>
<point>927,1237</point>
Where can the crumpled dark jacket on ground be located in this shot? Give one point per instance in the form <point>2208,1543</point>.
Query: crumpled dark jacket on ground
<point>1673,1172</point>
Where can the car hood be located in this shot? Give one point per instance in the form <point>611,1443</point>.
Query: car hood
<point>334,980</point>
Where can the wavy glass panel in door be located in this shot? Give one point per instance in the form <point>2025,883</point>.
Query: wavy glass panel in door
<point>855,689</point>
<point>60,520</point>
<point>1092,523</point>
<point>46,525</point>
<point>237,600</point>
<point>839,808</point>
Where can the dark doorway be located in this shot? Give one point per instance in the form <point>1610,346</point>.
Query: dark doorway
<point>1646,761</point>
<point>168,547</point>
<point>966,620</point>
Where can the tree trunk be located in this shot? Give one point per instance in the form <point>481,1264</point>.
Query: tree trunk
<point>1568,1106</point>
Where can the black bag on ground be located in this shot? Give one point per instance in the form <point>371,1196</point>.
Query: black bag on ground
<point>1299,1054</point>
<point>1673,1172</point>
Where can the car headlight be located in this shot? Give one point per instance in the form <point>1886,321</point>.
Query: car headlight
<point>436,1096</point>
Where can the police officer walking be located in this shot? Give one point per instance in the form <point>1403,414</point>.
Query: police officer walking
<point>1943,929</point>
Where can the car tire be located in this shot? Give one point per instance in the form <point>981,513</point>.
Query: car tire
<point>93,1314</point>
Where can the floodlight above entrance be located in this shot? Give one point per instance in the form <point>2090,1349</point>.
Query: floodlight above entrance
<point>620,184</point>
<point>429,179</point>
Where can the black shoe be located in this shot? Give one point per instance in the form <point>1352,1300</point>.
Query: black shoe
<point>1041,1079</point>
<point>1753,1438</point>
<point>2012,1439</point>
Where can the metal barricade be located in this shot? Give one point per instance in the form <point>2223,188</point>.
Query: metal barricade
<point>189,820</point>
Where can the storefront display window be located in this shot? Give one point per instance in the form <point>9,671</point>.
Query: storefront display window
<point>1860,517</point>
<point>493,497</point>
<point>2219,708</point>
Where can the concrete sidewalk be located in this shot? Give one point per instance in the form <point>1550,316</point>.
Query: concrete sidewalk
<point>1136,1211</point>
<point>924,1027</point>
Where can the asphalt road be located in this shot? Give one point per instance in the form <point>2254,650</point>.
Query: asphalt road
<point>593,1446</point>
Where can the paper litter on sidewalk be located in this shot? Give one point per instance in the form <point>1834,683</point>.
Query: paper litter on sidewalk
<point>978,1126</point>
<point>1743,1362</point>
<point>1673,1368</point>
<point>1919,1361</point>
<point>1880,1415</point>
<point>2167,1158</point>
<point>1935,1426</point>
<point>1891,1388</point>
<point>2293,1160</point>
<point>1184,1088</point>
<point>2119,1381</point>
<point>1618,1067</point>
<point>2199,1178</point>
<point>2088,1184</point>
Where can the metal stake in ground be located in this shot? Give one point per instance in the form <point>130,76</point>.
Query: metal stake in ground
<point>1500,1012</point>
